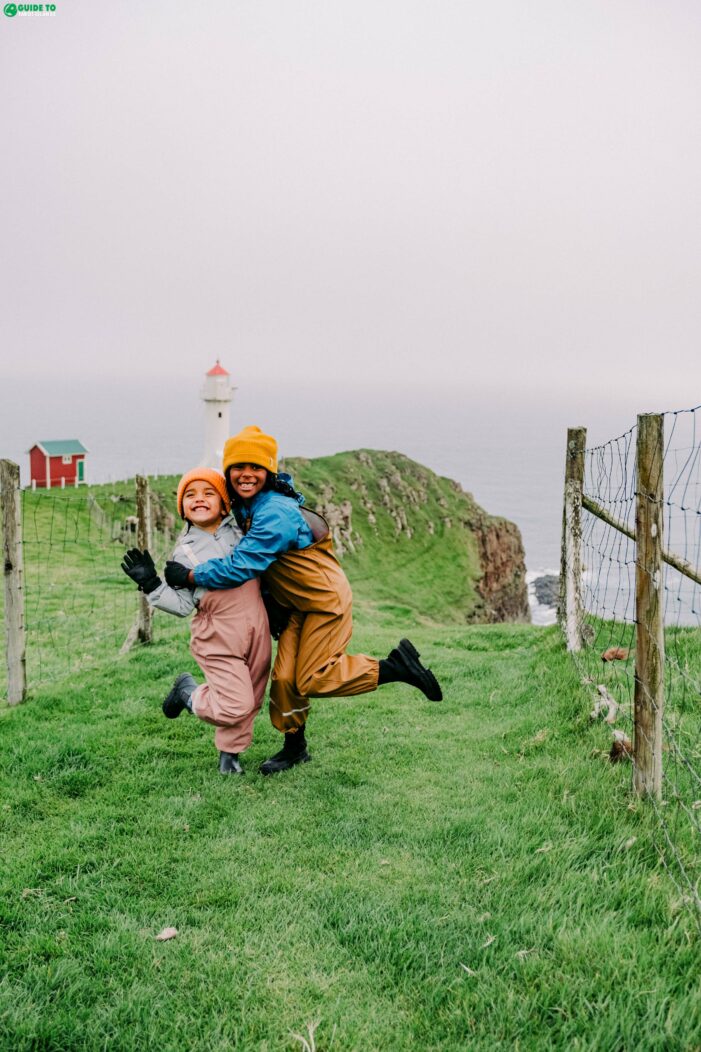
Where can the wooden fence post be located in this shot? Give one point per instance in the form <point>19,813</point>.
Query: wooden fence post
<point>15,640</point>
<point>571,606</point>
<point>649,613</point>
<point>143,540</point>
<point>142,629</point>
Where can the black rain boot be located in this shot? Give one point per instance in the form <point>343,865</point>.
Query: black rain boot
<point>294,751</point>
<point>402,665</point>
<point>179,697</point>
<point>229,763</point>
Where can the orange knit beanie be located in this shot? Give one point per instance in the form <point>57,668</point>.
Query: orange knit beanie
<point>215,478</point>
<point>251,446</point>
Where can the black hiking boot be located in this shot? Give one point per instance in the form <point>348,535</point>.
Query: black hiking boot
<point>229,763</point>
<point>179,697</point>
<point>402,665</point>
<point>294,751</point>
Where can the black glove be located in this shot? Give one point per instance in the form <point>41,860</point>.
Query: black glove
<point>177,575</point>
<point>140,567</point>
<point>278,616</point>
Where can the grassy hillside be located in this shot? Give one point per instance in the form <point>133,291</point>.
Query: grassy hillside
<point>413,536</point>
<point>412,548</point>
<point>411,539</point>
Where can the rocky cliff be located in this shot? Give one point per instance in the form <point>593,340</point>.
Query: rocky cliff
<point>411,539</point>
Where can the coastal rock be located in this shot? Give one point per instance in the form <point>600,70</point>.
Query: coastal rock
<point>503,583</point>
<point>547,590</point>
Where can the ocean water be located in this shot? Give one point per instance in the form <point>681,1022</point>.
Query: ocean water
<point>509,453</point>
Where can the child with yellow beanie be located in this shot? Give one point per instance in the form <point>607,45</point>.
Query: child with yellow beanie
<point>290,548</point>
<point>230,636</point>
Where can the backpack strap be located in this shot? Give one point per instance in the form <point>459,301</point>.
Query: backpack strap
<point>316,523</point>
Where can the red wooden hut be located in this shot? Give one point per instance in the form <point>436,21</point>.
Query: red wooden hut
<point>57,463</point>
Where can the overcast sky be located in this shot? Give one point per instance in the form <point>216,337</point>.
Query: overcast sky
<point>497,196</point>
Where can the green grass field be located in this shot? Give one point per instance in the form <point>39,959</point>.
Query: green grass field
<point>467,875</point>
<point>472,874</point>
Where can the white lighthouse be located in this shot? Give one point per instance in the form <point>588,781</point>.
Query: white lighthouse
<point>216,393</point>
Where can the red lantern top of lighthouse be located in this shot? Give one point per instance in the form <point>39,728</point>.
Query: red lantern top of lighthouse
<point>217,370</point>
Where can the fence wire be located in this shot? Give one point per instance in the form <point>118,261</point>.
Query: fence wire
<point>609,631</point>
<point>79,605</point>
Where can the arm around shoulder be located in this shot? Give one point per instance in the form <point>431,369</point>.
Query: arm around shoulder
<point>274,531</point>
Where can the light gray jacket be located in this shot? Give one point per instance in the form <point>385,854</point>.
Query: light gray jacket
<point>195,546</point>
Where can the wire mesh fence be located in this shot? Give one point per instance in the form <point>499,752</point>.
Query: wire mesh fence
<point>79,607</point>
<point>616,646</point>
<point>608,572</point>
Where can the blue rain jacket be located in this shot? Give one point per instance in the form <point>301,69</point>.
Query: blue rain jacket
<point>276,526</point>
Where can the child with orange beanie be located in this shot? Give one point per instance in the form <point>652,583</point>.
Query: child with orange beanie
<point>291,548</point>
<point>230,637</point>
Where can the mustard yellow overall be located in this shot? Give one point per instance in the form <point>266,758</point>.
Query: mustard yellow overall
<point>311,656</point>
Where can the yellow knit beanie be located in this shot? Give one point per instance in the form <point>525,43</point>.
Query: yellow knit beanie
<point>215,478</point>
<point>251,446</point>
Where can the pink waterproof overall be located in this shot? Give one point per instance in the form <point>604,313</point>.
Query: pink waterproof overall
<point>230,641</point>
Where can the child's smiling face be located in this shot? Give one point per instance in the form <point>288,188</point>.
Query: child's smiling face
<point>247,479</point>
<point>202,505</point>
